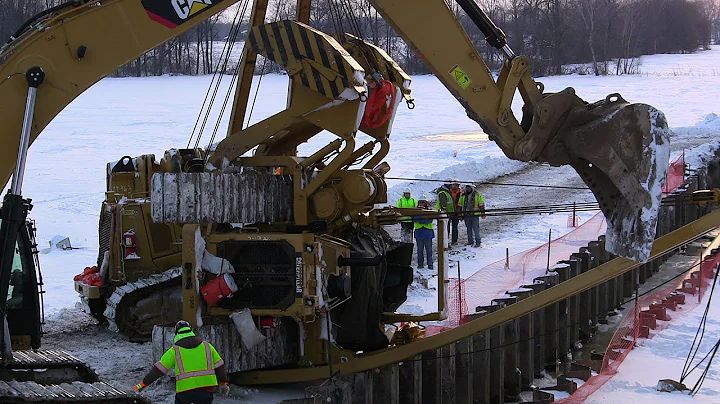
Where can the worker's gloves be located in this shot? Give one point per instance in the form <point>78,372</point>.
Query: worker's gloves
<point>483,215</point>
<point>138,387</point>
<point>224,389</point>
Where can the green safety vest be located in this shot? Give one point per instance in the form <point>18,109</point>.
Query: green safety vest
<point>476,204</point>
<point>407,203</point>
<point>194,367</point>
<point>417,225</point>
<point>450,202</point>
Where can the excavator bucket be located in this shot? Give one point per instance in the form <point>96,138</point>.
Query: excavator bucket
<point>621,151</point>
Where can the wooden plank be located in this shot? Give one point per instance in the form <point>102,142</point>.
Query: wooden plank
<point>156,198</point>
<point>186,185</point>
<point>464,371</point>
<point>447,373</point>
<point>218,212</point>
<point>385,385</point>
<point>410,374</point>
<point>431,377</point>
<point>170,198</point>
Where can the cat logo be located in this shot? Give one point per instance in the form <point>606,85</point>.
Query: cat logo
<point>172,13</point>
<point>298,275</point>
<point>186,8</point>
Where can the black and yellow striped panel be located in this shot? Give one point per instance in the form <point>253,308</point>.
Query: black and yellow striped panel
<point>373,58</point>
<point>316,59</point>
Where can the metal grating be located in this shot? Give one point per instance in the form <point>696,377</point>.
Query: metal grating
<point>104,230</point>
<point>45,358</point>
<point>265,273</point>
<point>76,392</point>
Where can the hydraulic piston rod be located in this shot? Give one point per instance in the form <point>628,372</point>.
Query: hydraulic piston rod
<point>35,77</point>
<point>15,209</point>
<point>493,34</point>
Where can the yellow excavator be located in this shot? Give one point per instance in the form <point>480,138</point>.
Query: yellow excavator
<point>249,227</point>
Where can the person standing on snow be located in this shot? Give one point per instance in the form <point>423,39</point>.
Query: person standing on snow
<point>424,235</point>
<point>448,202</point>
<point>406,226</point>
<point>473,207</point>
<point>198,368</point>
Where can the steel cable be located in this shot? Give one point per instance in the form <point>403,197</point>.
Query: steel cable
<point>224,58</point>
<point>217,75</point>
<point>262,74</point>
<point>686,371</point>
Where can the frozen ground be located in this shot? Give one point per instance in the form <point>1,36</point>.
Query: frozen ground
<point>124,363</point>
<point>117,117</point>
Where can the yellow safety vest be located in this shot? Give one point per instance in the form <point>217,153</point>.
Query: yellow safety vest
<point>476,203</point>
<point>194,367</point>
<point>407,203</point>
<point>417,225</point>
<point>450,201</point>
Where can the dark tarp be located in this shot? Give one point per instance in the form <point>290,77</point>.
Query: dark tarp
<point>356,322</point>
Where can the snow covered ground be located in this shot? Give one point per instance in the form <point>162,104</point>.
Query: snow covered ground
<point>133,116</point>
<point>663,357</point>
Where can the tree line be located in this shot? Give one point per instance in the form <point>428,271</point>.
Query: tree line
<point>559,36</point>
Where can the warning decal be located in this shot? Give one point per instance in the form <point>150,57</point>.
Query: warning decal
<point>460,76</point>
<point>172,13</point>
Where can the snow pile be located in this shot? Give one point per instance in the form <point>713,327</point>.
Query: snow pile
<point>706,131</point>
<point>700,156</point>
<point>470,171</point>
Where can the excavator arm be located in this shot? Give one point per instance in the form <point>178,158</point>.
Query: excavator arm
<point>619,149</point>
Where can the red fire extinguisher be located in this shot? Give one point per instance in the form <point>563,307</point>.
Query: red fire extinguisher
<point>130,244</point>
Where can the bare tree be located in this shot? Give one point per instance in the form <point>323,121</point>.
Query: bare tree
<point>552,33</point>
<point>588,10</point>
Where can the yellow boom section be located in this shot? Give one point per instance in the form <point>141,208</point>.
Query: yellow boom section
<point>77,46</point>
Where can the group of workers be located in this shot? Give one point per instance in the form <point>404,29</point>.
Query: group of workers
<point>456,202</point>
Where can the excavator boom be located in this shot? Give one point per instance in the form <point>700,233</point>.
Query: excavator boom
<point>77,44</point>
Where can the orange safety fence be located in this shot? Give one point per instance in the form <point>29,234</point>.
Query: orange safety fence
<point>636,323</point>
<point>495,279</point>
<point>649,315</point>
<point>675,176</point>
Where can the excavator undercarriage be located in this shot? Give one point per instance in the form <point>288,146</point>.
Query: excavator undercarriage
<point>300,238</point>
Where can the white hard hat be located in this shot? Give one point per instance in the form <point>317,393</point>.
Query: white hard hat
<point>406,191</point>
